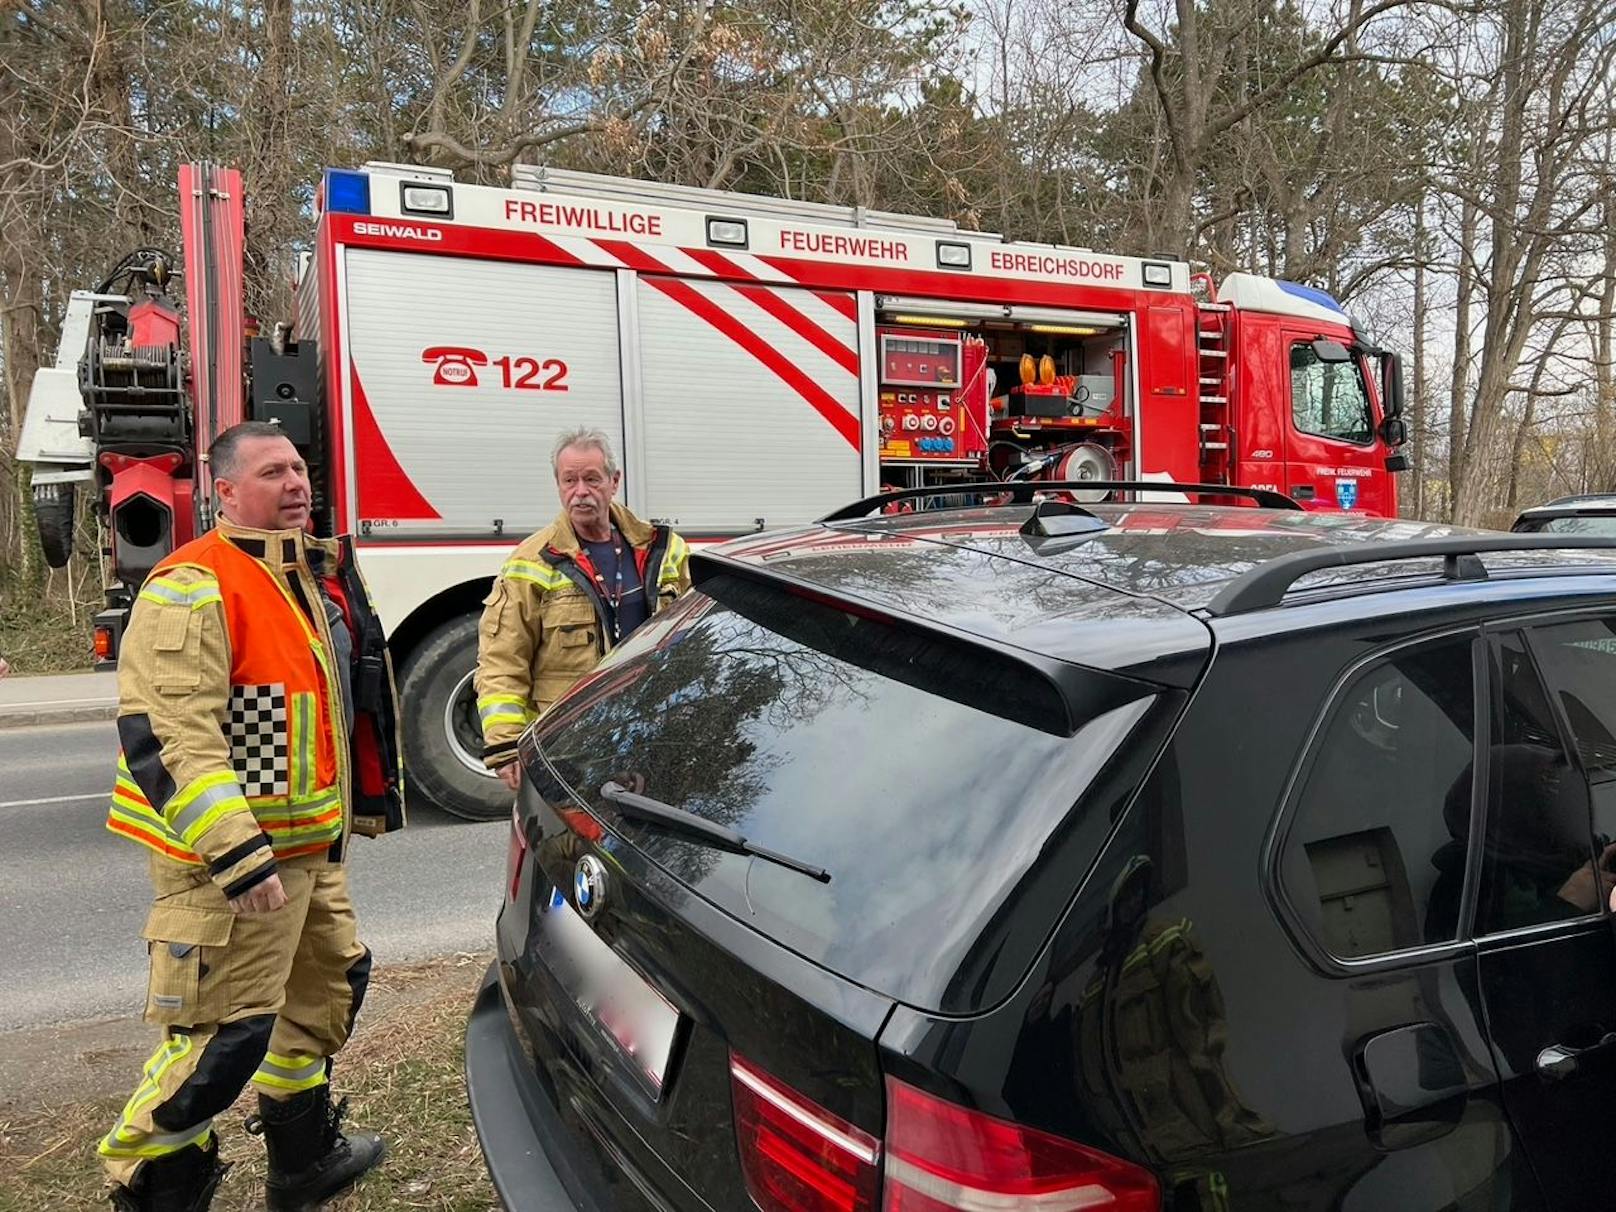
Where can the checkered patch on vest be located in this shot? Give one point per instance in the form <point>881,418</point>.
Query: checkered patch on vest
<point>257,731</point>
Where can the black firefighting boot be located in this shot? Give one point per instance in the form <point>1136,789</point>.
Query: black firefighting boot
<point>311,1159</point>
<point>180,1182</point>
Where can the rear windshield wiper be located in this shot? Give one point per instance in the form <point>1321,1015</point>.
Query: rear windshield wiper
<point>678,820</point>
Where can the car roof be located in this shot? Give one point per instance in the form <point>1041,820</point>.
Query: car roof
<point>1591,500</point>
<point>1140,584</point>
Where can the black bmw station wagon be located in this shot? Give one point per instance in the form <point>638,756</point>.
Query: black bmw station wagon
<point>1031,855</point>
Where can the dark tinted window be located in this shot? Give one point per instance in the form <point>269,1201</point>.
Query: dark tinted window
<point>1535,860</point>
<point>914,772</point>
<point>1579,663</point>
<point>1374,857</point>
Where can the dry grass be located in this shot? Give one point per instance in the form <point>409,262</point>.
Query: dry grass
<point>402,1075</point>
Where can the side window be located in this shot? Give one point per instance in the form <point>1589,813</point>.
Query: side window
<point>1374,857</point>
<point>1536,862</point>
<point>1579,664</point>
<point>1328,398</point>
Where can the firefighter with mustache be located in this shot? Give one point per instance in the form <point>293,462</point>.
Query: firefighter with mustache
<point>567,595</point>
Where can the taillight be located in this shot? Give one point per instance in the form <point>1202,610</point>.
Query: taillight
<point>515,860</point>
<point>943,1156</point>
<point>103,643</point>
<point>797,1156</point>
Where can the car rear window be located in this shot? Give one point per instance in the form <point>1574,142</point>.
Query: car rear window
<point>919,770</point>
<point>1600,524</point>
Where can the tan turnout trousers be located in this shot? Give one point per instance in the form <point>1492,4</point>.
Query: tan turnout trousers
<point>264,997</point>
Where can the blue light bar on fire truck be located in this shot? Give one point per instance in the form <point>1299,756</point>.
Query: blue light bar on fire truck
<point>346,192</point>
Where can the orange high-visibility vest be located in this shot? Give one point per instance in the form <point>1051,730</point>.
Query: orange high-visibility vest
<point>283,725</point>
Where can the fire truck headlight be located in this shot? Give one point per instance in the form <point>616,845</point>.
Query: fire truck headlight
<point>426,199</point>
<point>729,232</point>
<point>953,256</point>
<point>1157,274</point>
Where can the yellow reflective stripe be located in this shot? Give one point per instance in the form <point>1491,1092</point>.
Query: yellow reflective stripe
<point>296,803</point>
<point>126,790</point>
<point>281,831</point>
<point>673,560</point>
<point>497,709</point>
<point>127,1141</point>
<point>539,574</point>
<point>290,1072</point>
<point>301,743</point>
<point>501,718</point>
<point>167,592</point>
<point>198,807</point>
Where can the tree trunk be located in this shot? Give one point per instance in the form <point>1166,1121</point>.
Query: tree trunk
<point>1604,464</point>
<point>1416,403</point>
<point>1457,412</point>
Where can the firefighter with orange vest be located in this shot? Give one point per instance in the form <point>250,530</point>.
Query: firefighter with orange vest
<point>567,595</point>
<point>259,730</point>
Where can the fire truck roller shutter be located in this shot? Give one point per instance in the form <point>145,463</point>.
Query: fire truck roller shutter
<point>464,373</point>
<point>751,402</point>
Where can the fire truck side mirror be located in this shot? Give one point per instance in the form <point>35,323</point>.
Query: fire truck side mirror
<point>1391,385</point>
<point>1394,431</point>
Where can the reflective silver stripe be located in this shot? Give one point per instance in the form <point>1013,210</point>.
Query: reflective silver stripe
<point>539,574</point>
<point>168,1140</point>
<point>486,711</point>
<point>302,1073</point>
<point>197,595</point>
<point>203,804</point>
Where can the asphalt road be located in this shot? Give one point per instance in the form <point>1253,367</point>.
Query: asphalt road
<point>73,896</point>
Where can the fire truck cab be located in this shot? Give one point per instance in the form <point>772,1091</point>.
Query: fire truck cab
<point>756,361</point>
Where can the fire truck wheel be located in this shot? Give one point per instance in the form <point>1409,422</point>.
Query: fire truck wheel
<point>442,738</point>
<point>53,515</point>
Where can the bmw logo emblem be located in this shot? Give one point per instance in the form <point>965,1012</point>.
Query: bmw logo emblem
<point>589,885</point>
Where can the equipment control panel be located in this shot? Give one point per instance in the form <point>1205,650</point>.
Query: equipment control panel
<point>933,397</point>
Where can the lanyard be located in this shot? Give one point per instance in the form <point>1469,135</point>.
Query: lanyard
<point>615,598</point>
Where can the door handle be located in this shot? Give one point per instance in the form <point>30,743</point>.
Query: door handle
<point>1558,1062</point>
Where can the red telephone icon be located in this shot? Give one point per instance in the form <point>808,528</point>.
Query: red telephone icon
<point>454,365</point>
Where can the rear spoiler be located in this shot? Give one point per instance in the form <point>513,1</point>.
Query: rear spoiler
<point>1038,691</point>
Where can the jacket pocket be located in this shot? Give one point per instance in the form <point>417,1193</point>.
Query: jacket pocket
<point>187,986</point>
<point>493,616</point>
<point>575,635</point>
<point>176,667</point>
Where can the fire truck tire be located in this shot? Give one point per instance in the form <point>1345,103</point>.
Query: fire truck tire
<point>442,739</point>
<point>53,515</point>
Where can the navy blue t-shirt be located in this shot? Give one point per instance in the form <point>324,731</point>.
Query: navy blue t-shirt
<point>631,608</point>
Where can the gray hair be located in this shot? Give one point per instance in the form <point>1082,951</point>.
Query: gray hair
<point>589,439</point>
<point>226,448</point>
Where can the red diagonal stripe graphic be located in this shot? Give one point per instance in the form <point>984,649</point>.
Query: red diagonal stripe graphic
<point>633,256</point>
<point>554,251</point>
<point>718,263</point>
<point>842,303</point>
<point>784,264</point>
<point>844,422</point>
<point>803,326</point>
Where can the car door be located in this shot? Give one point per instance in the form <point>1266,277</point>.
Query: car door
<point>1333,460</point>
<point>1547,956</point>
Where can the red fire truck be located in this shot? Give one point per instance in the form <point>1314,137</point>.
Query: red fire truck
<point>757,361</point>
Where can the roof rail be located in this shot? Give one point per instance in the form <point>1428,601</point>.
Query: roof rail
<point>544,179</point>
<point>1579,499</point>
<point>1266,585</point>
<point>1021,493</point>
